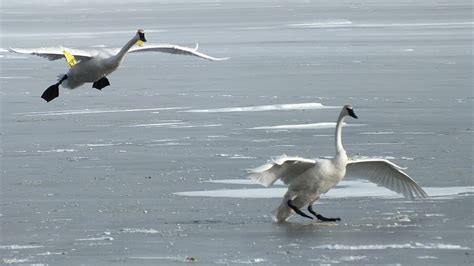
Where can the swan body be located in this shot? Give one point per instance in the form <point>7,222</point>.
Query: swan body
<point>308,179</point>
<point>95,64</point>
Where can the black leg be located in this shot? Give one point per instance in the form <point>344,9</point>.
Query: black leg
<point>298,211</point>
<point>320,217</point>
<point>101,83</point>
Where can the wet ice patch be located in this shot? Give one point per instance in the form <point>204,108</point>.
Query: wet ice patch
<point>418,133</point>
<point>15,77</point>
<point>322,24</point>
<point>427,257</point>
<point>140,230</point>
<point>14,261</point>
<point>239,182</point>
<point>416,245</point>
<point>197,125</point>
<point>49,253</point>
<point>345,189</point>
<point>18,247</point>
<point>235,156</point>
<point>162,124</point>
<point>104,238</point>
<point>377,133</point>
<point>434,215</point>
<point>241,261</point>
<point>325,259</point>
<point>257,193</point>
<point>166,258</point>
<point>341,23</point>
<point>173,124</point>
<point>275,107</point>
<point>96,111</point>
<point>56,150</point>
<point>323,125</point>
<point>93,145</point>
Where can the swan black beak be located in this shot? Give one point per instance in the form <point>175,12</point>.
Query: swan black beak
<point>351,113</point>
<point>141,34</point>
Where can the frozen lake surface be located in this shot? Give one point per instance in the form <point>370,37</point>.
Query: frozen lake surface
<point>152,169</point>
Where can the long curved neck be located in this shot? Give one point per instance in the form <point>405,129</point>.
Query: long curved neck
<point>339,147</point>
<point>119,56</point>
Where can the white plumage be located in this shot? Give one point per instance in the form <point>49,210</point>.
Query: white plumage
<point>95,64</point>
<point>56,53</point>
<point>308,179</point>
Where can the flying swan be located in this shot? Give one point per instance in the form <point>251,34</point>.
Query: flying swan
<point>308,179</point>
<point>95,65</point>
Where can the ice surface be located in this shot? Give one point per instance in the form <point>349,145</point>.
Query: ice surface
<point>92,166</point>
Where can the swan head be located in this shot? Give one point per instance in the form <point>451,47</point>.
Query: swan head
<point>347,110</point>
<point>141,35</point>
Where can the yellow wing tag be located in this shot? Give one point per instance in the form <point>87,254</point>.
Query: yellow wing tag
<point>71,60</point>
<point>140,43</point>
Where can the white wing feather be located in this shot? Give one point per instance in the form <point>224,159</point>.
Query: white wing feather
<point>284,168</point>
<point>174,49</point>
<point>386,174</point>
<point>55,53</point>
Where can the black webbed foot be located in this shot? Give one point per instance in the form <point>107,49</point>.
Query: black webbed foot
<point>101,83</point>
<point>51,92</point>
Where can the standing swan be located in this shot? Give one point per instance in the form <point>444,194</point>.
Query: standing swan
<point>95,65</point>
<point>308,179</point>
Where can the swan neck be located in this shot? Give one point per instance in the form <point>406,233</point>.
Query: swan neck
<point>120,55</point>
<point>339,147</point>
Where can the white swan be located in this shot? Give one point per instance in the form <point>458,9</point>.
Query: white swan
<point>308,179</point>
<point>95,65</point>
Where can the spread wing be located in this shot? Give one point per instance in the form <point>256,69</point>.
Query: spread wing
<point>386,174</point>
<point>55,53</point>
<point>284,168</point>
<point>174,49</point>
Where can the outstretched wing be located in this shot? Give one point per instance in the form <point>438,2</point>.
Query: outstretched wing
<point>174,49</point>
<point>386,174</point>
<point>284,168</point>
<point>55,53</point>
